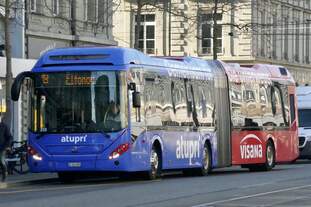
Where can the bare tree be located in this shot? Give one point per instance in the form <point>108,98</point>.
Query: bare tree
<point>9,6</point>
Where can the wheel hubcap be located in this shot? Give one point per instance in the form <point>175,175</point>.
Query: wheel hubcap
<point>270,155</point>
<point>154,162</point>
<point>206,159</point>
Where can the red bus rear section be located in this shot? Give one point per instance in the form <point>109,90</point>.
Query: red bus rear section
<point>263,114</point>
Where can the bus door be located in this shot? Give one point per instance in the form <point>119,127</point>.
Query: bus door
<point>192,139</point>
<point>137,121</point>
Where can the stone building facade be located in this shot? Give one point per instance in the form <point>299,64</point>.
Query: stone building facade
<point>64,23</point>
<point>248,31</point>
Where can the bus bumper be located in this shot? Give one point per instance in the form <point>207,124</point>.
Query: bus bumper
<point>85,163</point>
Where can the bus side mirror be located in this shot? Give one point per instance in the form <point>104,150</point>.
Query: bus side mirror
<point>132,86</point>
<point>135,95</point>
<point>17,84</point>
<point>136,99</point>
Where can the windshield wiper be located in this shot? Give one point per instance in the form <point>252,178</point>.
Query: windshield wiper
<point>103,133</point>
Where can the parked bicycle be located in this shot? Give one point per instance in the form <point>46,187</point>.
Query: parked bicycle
<point>17,158</point>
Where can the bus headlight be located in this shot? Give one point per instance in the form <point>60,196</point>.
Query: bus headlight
<point>35,155</point>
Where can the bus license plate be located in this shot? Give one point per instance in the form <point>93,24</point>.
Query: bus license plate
<point>74,164</point>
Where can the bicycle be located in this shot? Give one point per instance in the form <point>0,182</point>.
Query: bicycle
<point>16,158</point>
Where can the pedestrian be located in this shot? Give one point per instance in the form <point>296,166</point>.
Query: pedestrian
<point>5,142</point>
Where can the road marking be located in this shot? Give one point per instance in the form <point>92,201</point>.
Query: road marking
<point>251,196</point>
<point>256,185</point>
<point>68,187</point>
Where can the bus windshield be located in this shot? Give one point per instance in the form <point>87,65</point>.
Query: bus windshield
<point>304,117</point>
<point>74,102</point>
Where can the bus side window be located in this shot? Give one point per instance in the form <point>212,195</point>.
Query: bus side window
<point>173,97</point>
<point>280,110</point>
<point>188,97</point>
<point>292,108</point>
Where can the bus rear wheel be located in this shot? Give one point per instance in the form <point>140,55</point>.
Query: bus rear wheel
<point>155,164</point>
<point>270,160</point>
<point>206,162</point>
<point>270,157</point>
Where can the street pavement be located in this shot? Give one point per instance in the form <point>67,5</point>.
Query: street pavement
<point>286,185</point>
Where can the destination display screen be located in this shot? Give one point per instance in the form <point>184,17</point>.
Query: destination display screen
<point>67,79</point>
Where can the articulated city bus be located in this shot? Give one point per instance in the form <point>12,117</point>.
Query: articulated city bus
<point>117,110</point>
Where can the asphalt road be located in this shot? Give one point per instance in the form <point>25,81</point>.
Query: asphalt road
<point>286,185</point>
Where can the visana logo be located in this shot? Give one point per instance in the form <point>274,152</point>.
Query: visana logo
<point>251,150</point>
<point>73,139</point>
<point>187,149</point>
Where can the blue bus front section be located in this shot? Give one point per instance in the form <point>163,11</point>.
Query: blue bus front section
<point>82,152</point>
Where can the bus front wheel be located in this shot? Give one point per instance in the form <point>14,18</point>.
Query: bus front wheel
<point>155,164</point>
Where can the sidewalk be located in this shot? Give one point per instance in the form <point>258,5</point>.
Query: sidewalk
<point>35,178</point>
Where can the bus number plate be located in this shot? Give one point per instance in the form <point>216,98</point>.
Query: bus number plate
<point>74,164</point>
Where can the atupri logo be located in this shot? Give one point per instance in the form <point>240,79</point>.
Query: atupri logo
<point>73,139</point>
<point>187,149</point>
<point>251,147</point>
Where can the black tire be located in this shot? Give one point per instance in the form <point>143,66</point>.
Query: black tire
<point>155,164</point>
<point>206,162</point>
<point>66,177</point>
<point>188,172</point>
<point>270,157</point>
<point>270,160</point>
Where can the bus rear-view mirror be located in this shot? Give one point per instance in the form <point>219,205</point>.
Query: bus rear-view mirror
<point>17,84</point>
<point>136,99</point>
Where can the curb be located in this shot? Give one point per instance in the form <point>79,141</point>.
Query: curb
<point>3,185</point>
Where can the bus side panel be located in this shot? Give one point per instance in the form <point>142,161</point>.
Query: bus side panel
<point>182,149</point>
<point>248,147</point>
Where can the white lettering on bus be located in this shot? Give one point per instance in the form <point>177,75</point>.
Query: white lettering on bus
<point>187,149</point>
<point>251,151</point>
<point>73,139</point>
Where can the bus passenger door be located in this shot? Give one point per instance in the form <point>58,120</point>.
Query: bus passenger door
<point>192,136</point>
<point>137,126</point>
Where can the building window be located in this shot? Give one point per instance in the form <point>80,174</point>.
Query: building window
<point>55,8</point>
<point>296,57</point>
<point>33,5</point>
<point>263,33</point>
<point>274,36</point>
<point>91,10</point>
<point>286,34</point>
<point>307,59</point>
<point>206,28</point>
<point>146,39</point>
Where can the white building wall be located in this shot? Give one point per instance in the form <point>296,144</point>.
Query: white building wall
<point>19,109</point>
